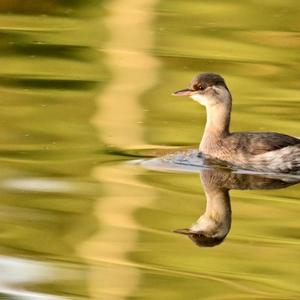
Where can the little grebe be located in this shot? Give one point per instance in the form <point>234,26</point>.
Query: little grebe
<point>261,151</point>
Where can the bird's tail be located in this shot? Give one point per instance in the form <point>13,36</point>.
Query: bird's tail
<point>284,160</point>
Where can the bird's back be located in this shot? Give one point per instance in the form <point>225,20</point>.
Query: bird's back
<point>263,151</point>
<point>255,143</point>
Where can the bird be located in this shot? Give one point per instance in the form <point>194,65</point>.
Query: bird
<point>257,151</point>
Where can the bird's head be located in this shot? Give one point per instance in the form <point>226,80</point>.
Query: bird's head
<point>208,89</point>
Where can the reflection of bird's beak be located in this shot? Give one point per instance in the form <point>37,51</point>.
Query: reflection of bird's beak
<point>185,231</point>
<point>184,92</point>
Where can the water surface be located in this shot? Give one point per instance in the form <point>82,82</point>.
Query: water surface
<point>85,87</point>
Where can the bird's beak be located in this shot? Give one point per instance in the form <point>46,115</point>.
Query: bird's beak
<point>185,231</point>
<point>184,92</point>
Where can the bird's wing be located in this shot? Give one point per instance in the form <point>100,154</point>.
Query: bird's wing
<point>260,142</point>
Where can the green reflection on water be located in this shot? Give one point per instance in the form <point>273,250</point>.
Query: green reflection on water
<point>87,84</point>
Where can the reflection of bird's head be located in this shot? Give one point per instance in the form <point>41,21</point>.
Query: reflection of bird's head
<point>213,226</point>
<point>200,239</point>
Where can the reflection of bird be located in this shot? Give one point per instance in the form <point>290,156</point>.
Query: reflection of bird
<point>213,226</point>
<point>263,151</point>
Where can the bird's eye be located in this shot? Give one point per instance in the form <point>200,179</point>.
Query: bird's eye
<point>198,87</point>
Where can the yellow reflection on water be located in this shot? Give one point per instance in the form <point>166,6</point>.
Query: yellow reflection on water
<point>133,71</point>
<point>119,120</point>
<point>110,248</point>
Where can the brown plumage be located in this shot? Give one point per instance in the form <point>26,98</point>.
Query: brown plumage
<point>255,143</point>
<point>263,151</point>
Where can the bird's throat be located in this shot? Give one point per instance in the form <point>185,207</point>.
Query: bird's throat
<point>216,127</point>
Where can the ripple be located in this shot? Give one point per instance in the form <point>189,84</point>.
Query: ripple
<point>47,83</point>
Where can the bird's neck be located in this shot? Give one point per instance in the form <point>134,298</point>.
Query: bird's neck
<point>216,127</point>
<point>218,119</point>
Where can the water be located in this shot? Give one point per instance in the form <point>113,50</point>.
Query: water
<point>85,87</point>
